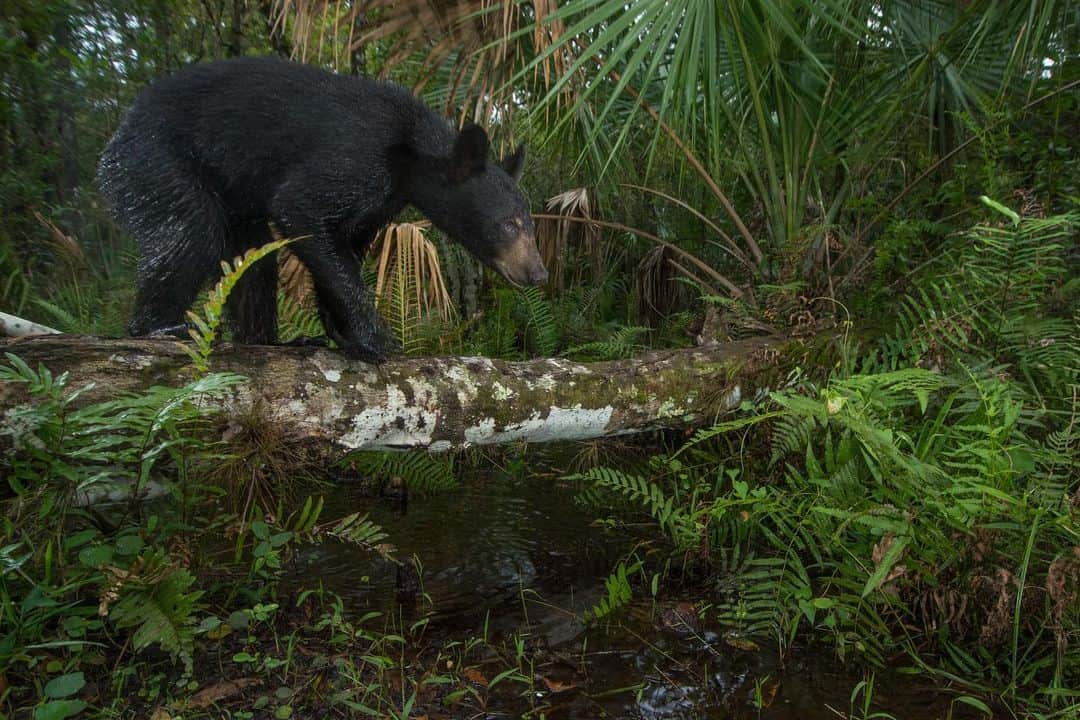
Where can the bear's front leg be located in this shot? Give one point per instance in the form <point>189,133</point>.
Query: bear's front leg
<point>346,305</point>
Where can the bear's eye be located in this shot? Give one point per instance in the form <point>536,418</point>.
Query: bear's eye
<point>510,227</point>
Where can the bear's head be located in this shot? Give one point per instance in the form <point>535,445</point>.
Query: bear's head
<point>478,204</point>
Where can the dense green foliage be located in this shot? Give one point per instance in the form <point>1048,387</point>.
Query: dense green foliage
<point>926,511</point>
<point>897,182</point>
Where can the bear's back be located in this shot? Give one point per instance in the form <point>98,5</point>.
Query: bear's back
<point>248,122</point>
<point>257,98</point>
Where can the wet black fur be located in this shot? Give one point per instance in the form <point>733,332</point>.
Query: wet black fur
<point>206,157</point>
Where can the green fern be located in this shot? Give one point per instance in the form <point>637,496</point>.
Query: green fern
<point>540,328</point>
<point>400,314</point>
<point>750,594</point>
<point>155,598</point>
<point>206,325</point>
<point>706,434</point>
<point>420,470</point>
<point>296,321</point>
<point>620,344</point>
<point>358,530</point>
<point>497,335</point>
<point>63,318</point>
<point>983,302</point>
<point>618,592</point>
<point>88,303</point>
<point>69,449</point>
<point>14,282</point>
<point>672,518</point>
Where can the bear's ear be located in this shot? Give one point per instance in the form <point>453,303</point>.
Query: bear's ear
<point>514,164</point>
<point>469,154</point>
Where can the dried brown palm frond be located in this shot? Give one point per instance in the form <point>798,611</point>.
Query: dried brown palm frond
<point>318,30</point>
<point>659,292</point>
<point>479,43</point>
<point>64,246</point>
<point>409,285</point>
<point>563,241</point>
<point>294,279</point>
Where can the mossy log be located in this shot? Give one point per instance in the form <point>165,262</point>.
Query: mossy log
<point>438,403</point>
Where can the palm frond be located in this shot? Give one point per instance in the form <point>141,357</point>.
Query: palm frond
<point>409,285</point>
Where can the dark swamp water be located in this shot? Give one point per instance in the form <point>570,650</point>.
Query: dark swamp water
<point>515,557</point>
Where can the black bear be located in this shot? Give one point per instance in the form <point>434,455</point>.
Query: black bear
<point>208,158</point>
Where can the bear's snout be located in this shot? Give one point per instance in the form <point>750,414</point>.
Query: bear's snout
<point>538,275</point>
<point>520,264</point>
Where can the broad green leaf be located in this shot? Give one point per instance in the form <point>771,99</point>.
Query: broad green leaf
<point>65,685</point>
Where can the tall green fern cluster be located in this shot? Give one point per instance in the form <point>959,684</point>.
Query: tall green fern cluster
<point>924,506</point>
<point>60,449</point>
<point>892,508</point>
<point>61,455</point>
<point>991,299</point>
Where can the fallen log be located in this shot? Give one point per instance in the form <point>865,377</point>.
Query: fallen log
<point>437,403</point>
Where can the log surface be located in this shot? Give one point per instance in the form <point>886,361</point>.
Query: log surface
<point>438,403</point>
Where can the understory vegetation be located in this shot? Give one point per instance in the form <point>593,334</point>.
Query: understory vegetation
<point>891,186</point>
<point>919,501</point>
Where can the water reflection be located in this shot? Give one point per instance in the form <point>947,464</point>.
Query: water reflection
<point>477,546</point>
<point>518,557</point>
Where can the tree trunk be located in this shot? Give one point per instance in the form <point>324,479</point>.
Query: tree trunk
<point>438,403</point>
<point>234,41</point>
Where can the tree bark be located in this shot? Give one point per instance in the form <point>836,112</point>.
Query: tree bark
<point>437,403</point>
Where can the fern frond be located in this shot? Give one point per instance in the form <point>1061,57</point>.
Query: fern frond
<point>986,302</point>
<point>420,470</point>
<point>540,328</point>
<point>296,321</point>
<point>154,597</point>
<point>750,600</point>
<point>360,531</point>
<point>790,435</point>
<point>618,592</point>
<point>410,289</point>
<point>671,517</point>
<point>206,325</point>
<point>621,344</point>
